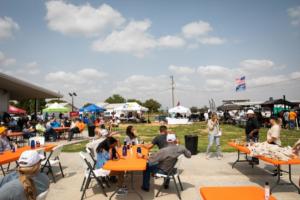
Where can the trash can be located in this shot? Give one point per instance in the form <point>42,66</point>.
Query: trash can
<point>91,131</point>
<point>191,143</point>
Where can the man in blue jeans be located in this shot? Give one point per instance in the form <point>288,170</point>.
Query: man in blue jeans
<point>164,160</point>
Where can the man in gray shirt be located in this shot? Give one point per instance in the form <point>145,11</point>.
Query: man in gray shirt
<point>164,160</point>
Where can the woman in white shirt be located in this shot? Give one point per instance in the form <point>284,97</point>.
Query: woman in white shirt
<point>273,134</point>
<point>214,134</point>
<point>131,138</point>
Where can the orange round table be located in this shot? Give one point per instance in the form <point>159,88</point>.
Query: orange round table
<point>233,193</point>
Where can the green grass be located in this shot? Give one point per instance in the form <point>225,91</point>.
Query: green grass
<point>147,132</point>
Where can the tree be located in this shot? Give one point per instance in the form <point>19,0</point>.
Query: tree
<point>152,105</point>
<point>115,98</point>
<point>135,100</point>
<point>29,105</point>
<point>194,109</point>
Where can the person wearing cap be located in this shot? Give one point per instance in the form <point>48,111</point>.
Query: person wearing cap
<point>273,134</point>
<point>4,140</point>
<point>164,160</point>
<point>28,182</point>
<point>252,131</point>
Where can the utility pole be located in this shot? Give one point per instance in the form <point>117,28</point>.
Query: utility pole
<point>173,88</point>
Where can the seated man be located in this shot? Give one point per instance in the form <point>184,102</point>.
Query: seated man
<point>160,140</point>
<point>28,182</point>
<point>50,132</point>
<point>4,140</point>
<point>163,161</point>
<point>29,130</point>
<point>76,127</point>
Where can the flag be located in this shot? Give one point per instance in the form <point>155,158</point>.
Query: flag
<point>240,84</point>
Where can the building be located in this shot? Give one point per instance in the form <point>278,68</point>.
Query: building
<point>12,88</point>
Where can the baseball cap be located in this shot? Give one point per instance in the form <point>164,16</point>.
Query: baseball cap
<point>171,137</point>
<point>2,129</point>
<point>250,112</point>
<point>29,158</point>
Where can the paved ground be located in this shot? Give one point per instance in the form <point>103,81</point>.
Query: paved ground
<point>197,172</point>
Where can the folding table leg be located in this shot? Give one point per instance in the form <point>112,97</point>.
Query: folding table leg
<point>8,166</point>
<point>278,178</point>
<point>3,172</point>
<point>238,159</point>
<point>60,167</point>
<point>290,178</point>
<point>180,183</point>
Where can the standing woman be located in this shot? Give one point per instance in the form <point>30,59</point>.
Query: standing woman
<point>131,137</point>
<point>213,135</point>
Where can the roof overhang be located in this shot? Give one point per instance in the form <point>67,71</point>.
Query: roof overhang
<point>19,89</point>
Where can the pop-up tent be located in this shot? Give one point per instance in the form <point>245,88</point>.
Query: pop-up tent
<point>55,107</point>
<point>92,108</point>
<point>180,110</point>
<point>15,110</point>
<point>131,107</point>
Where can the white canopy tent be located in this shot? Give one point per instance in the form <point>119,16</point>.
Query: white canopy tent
<point>180,110</point>
<point>131,107</point>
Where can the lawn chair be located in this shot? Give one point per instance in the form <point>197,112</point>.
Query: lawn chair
<point>92,173</point>
<point>173,174</point>
<point>53,159</point>
<point>43,195</point>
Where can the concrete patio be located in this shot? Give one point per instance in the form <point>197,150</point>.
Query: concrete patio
<point>197,172</point>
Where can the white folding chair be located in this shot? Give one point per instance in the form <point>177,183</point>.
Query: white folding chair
<point>173,174</point>
<point>43,195</point>
<point>52,160</point>
<point>91,173</point>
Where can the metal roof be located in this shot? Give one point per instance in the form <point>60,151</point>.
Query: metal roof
<point>19,89</point>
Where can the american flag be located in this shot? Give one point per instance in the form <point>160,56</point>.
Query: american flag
<point>240,84</point>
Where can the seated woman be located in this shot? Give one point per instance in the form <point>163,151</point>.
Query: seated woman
<point>273,134</point>
<point>28,182</point>
<point>4,140</point>
<point>107,151</point>
<point>131,138</point>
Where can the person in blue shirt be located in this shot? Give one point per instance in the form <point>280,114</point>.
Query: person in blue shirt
<point>106,150</point>
<point>55,124</point>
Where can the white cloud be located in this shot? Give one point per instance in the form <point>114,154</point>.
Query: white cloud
<point>211,40</point>
<point>83,76</point>
<point>266,80</point>
<point>294,14</point>
<point>295,75</point>
<point>7,27</point>
<point>182,70</point>
<point>196,29</point>
<point>132,39</point>
<point>6,61</point>
<point>171,41</point>
<point>84,20</point>
<point>253,65</point>
<point>213,71</point>
<point>215,85</point>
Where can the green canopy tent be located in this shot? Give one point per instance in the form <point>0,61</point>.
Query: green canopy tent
<point>53,108</point>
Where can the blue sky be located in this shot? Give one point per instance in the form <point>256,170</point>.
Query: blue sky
<point>97,48</point>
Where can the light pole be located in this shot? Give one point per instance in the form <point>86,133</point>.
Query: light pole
<point>72,95</point>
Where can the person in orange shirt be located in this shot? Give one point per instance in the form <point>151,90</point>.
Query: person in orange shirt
<point>292,118</point>
<point>77,126</point>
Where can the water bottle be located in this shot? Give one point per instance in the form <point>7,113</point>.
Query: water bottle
<point>32,144</point>
<point>139,150</point>
<point>267,191</point>
<point>124,150</point>
<point>38,144</point>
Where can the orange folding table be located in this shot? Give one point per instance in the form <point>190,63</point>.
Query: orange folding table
<point>128,164</point>
<point>63,130</point>
<point>8,156</point>
<point>277,163</point>
<point>233,193</point>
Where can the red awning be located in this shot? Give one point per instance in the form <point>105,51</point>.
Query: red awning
<point>15,110</point>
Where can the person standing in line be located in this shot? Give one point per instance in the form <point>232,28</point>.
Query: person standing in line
<point>213,135</point>
<point>292,118</point>
<point>252,131</point>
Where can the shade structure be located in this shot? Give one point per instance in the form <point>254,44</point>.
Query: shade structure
<point>15,110</point>
<point>271,103</point>
<point>92,108</point>
<point>180,110</point>
<point>131,107</point>
<point>56,108</point>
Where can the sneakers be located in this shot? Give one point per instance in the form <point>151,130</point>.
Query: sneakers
<point>219,157</point>
<point>207,157</point>
<point>122,191</point>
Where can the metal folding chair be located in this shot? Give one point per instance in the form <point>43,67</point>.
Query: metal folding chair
<point>52,160</point>
<point>172,175</point>
<point>92,173</point>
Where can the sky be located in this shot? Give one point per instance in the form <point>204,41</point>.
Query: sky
<point>99,48</point>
